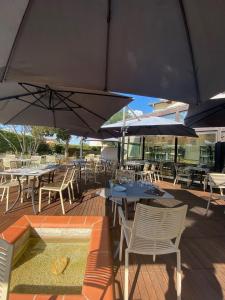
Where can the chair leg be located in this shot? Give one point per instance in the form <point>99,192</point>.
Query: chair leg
<point>121,244</point>
<point>114,217</point>
<point>62,204</point>
<point>7,200</point>
<point>22,193</point>
<point>72,190</point>
<point>208,204</point>
<point>39,202</point>
<point>49,197</point>
<point>178,276</point>
<point>154,257</point>
<point>69,194</point>
<point>78,190</point>
<point>175,181</point>
<point>3,194</point>
<point>126,274</point>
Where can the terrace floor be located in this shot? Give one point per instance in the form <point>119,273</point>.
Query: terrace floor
<point>202,247</point>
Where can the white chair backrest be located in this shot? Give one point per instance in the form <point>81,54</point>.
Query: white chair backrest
<point>6,254</point>
<point>68,176</point>
<point>125,174</point>
<point>155,224</point>
<point>217,179</point>
<point>146,167</point>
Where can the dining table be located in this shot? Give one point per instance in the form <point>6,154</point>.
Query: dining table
<point>36,174</point>
<point>129,192</point>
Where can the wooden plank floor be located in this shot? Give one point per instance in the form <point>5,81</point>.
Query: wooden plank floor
<point>202,247</point>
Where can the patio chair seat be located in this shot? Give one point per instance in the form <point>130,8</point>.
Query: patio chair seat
<point>53,186</point>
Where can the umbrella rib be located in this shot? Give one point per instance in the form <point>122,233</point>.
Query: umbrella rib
<point>21,95</point>
<point>44,91</point>
<point>25,101</point>
<point>83,107</point>
<point>76,114</point>
<point>20,112</point>
<point>191,51</point>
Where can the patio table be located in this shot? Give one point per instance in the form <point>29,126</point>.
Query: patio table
<point>136,190</point>
<point>195,170</point>
<point>36,173</point>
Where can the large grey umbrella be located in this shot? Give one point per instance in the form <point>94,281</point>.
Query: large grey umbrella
<point>145,126</point>
<point>57,107</point>
<point>168,49</point>
<point>207,114</point>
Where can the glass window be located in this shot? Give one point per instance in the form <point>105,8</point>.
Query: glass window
<point>170,116</point>
<point>199,150</point>
<point>182,115</point>
<point>159,148</point>
<point>132,148</point>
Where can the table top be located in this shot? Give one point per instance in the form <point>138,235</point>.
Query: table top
<point>199,169</point>
<point>31,171</point>
<point>136,190</point>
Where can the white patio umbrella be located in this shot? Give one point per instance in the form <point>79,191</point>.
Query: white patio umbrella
<point>60,107</point>
<point>207,114</point>
<point>167,49</point>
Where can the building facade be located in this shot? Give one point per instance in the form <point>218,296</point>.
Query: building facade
<point>199,150</point>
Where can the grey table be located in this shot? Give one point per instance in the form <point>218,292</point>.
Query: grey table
<point>136,191</point>
<point>36,173</point>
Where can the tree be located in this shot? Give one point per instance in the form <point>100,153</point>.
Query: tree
<point>63,137</point>
<point>24,139</point>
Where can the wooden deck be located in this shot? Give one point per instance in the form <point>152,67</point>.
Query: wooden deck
<point>202,248</point>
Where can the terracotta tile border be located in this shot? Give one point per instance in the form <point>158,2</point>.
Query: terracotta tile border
<point>98,280</point>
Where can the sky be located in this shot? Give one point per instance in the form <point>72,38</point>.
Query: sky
<point>140,103</point>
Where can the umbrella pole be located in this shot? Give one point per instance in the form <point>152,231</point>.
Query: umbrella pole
<point>175,150</point>
<point>81,147</point>
<point>123,138</point>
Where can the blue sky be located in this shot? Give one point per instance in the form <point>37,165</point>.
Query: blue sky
<point>139,103</point>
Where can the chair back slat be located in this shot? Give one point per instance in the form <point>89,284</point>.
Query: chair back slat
<point>154,223</point>
<point>6,254</point>
<point>68,176</point>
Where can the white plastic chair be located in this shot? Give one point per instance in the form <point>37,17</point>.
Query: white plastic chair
<point>182,174</point>
<point>216,180</point>
<point>58,187</point>
<point>154,231</point>
<point>6,254</point>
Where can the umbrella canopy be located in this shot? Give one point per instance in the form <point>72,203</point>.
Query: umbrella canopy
<point>207,114</point>
<point>146,126</point>
<point>60,107</point>
<point>167,49</point>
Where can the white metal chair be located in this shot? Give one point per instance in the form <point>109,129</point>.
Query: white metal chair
<point>154,231</point>
<point>143,174</point>
<point>125,175</point>
<point>74,179</point>
<point>6,255</point>
<point>182,174</point>
<point>216,181</point>
<point>58,187</point>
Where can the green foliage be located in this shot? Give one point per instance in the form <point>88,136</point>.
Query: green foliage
<point>58,148</point>
<point>12,145</point>
<point>44,148</point>
<point>74,150</point>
